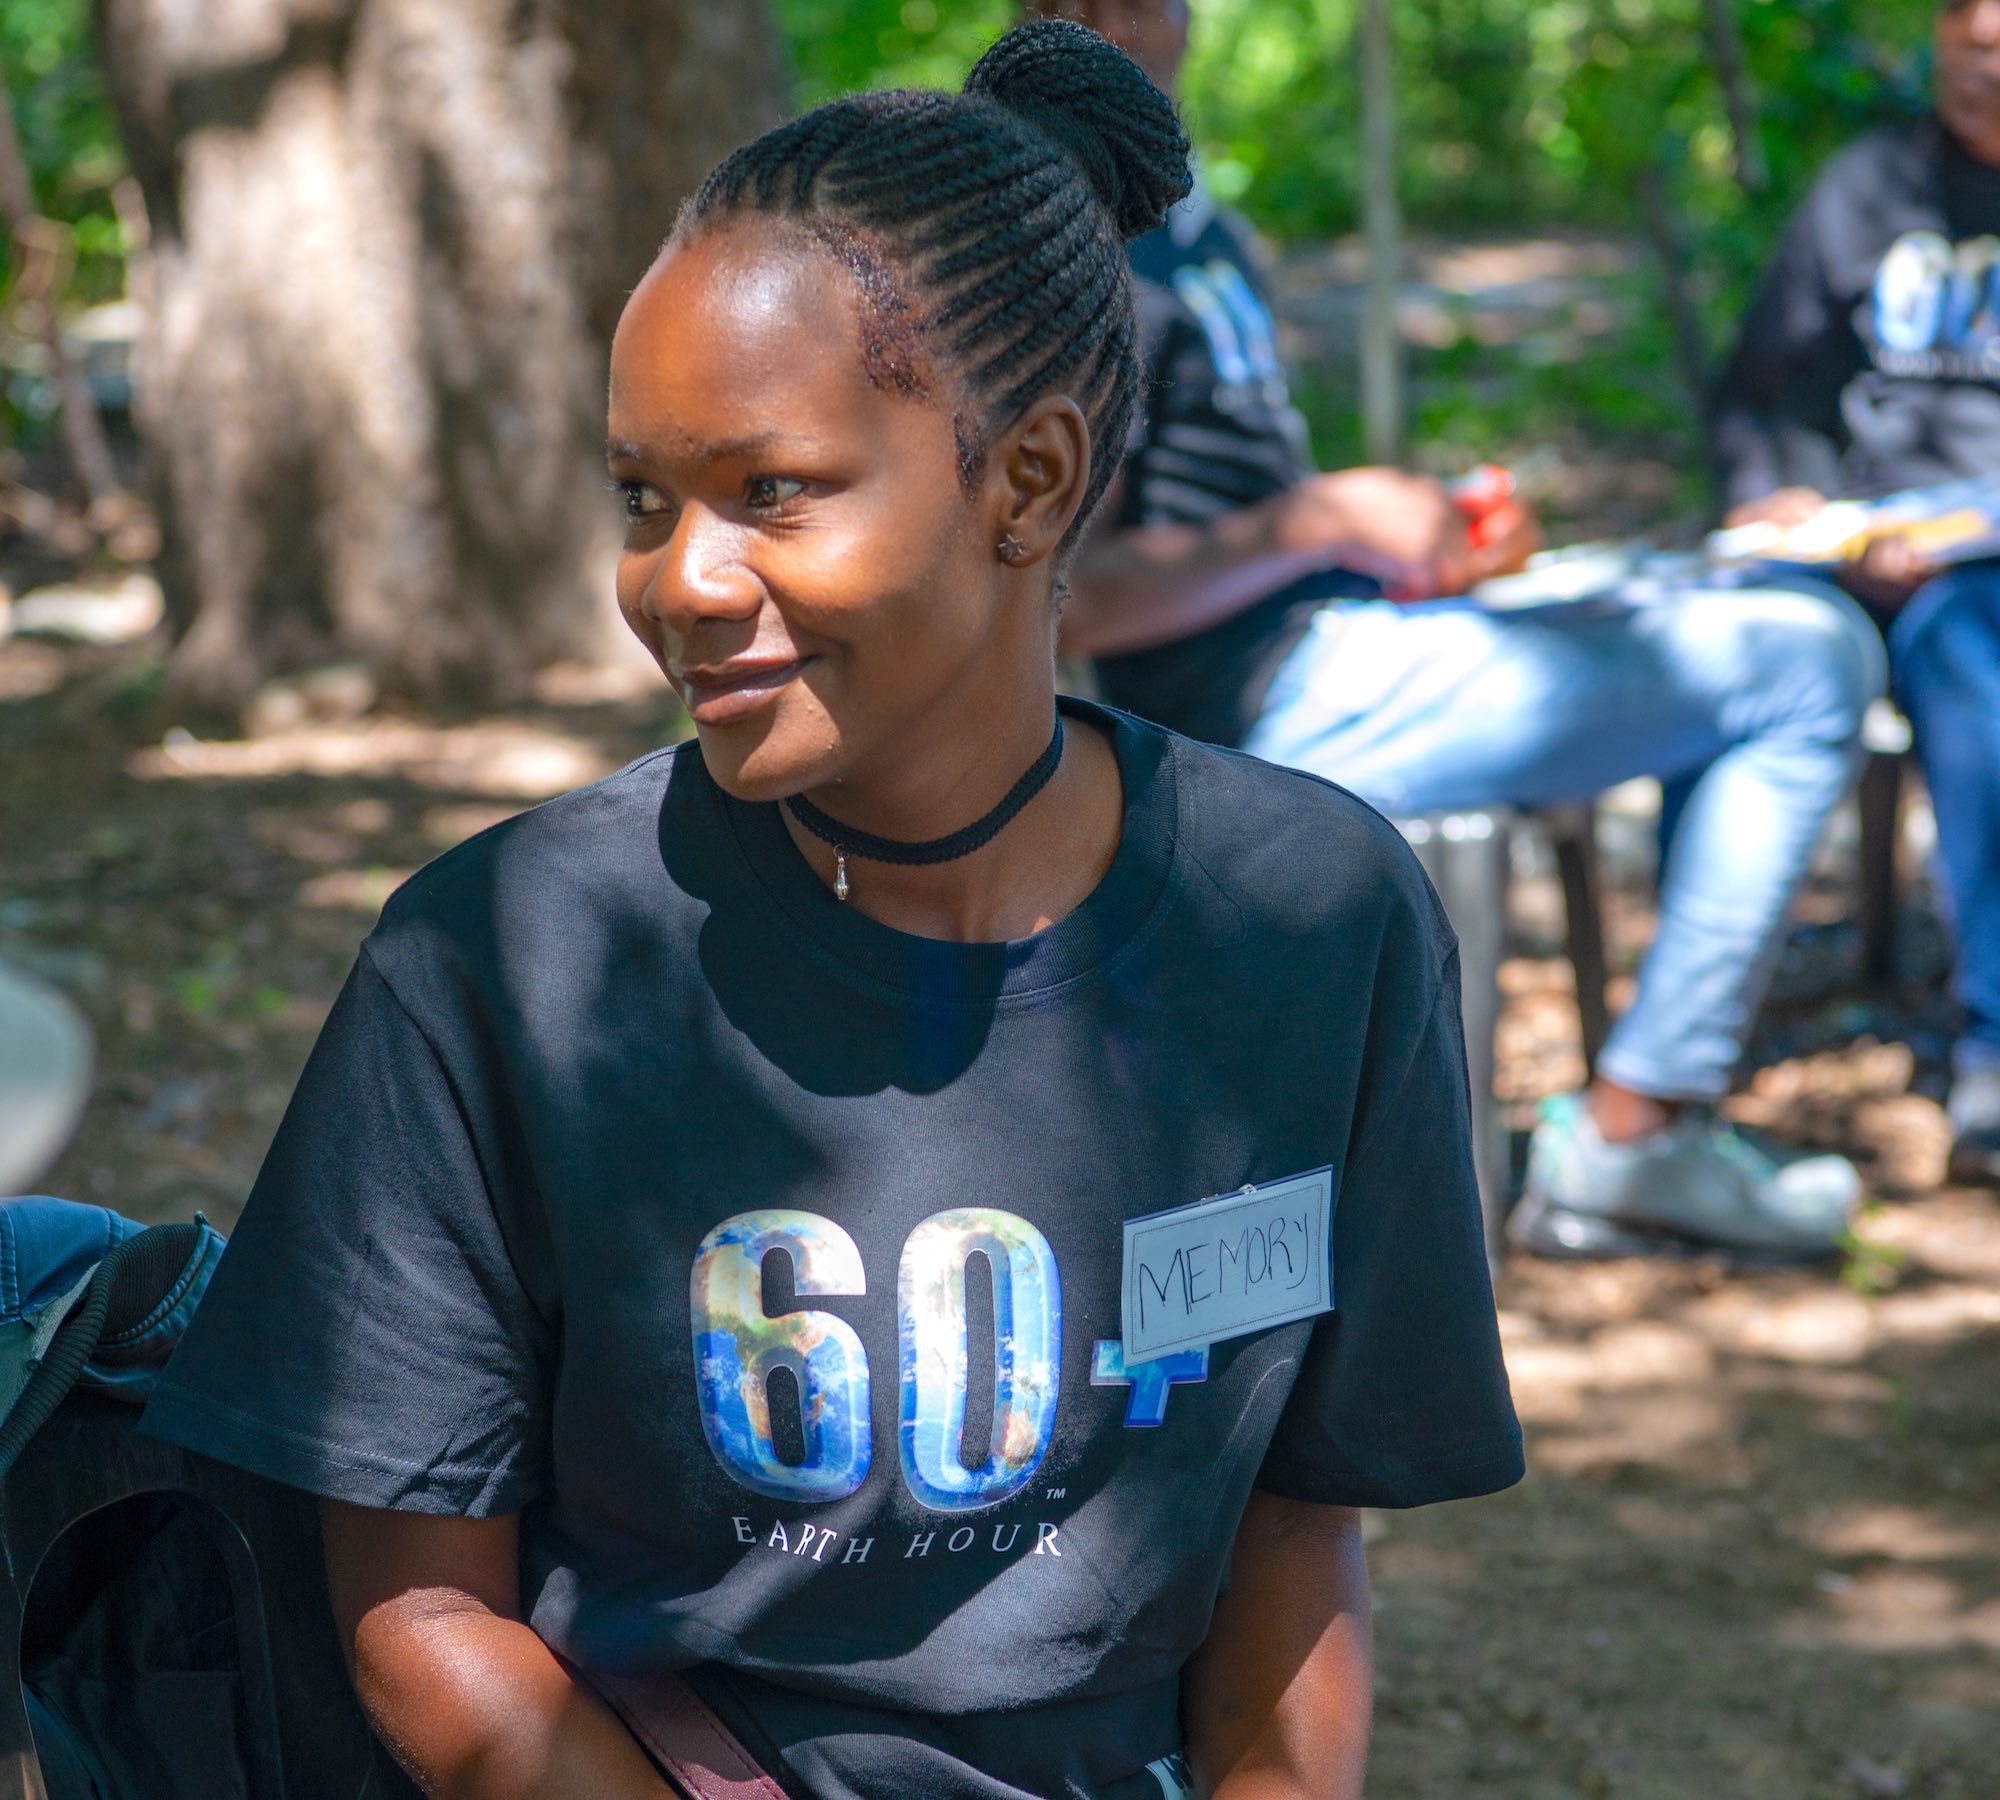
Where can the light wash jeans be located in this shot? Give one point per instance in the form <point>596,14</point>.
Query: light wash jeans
<point>1442,706</point>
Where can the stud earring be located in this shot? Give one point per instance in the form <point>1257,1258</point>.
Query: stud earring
<point>1010,549</point>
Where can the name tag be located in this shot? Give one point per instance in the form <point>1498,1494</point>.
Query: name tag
<point>1216,1269</point>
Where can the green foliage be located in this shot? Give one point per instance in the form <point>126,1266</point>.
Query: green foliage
<point>1524,112</point>
<point>839,46</point>
<point>71,145</point>
<point>67,134</point>
<point>1872,1268</point>
<point>1513,112</point>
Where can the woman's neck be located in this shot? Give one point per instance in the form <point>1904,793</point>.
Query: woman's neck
<point>1042,865</point>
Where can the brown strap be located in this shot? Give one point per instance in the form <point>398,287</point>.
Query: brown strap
<point>695,1748</point>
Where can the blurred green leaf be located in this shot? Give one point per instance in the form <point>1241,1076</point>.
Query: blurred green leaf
<point>197,993</point>
<point>1869,1266</point>
<point>49,63</point>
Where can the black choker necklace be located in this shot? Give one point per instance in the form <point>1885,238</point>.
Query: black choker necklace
<point>847,841</point>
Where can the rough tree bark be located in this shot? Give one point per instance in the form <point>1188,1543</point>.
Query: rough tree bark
<point>389,240</point>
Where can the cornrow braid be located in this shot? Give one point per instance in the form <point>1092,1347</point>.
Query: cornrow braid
<point>986,229</point>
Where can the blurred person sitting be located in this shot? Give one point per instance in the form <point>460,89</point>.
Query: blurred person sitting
<point>1217,595</point>
<point>1870,361</point>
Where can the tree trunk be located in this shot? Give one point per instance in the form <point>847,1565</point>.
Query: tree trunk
<point>1739,97</point>
<point>388,243</point>
<point>1382,220</point>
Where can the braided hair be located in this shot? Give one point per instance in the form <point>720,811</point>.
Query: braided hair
<point>985,230</point>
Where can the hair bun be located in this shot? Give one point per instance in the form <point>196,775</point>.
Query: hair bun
<point>1101,109</point>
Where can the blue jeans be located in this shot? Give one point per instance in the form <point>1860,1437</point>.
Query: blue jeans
<point>1442,706</point>
<point>1944,664</point>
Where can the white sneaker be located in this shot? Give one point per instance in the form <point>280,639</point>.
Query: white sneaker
<point>1975,1125</point>
<point>1693,1185</point>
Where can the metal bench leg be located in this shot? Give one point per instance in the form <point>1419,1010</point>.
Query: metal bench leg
<point>1573,835</point>
<point>1881,805</point>
<point>1466,856</point>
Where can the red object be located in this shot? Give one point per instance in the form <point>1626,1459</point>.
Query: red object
<point>1485,499</point>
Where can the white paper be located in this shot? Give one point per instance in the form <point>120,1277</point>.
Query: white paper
<point>1219,1268</point>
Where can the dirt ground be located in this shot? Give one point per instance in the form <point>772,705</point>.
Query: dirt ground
<point>1758,1553</point>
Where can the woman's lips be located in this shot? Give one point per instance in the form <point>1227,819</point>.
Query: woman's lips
<point>721,695</point>
<point>1975,88</point>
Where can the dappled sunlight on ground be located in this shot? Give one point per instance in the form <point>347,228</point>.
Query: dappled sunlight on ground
<point>1758,1551</point>
<point>523,761</point>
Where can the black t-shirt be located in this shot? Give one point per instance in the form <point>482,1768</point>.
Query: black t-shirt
<point>1870,356</point>
<point>1215,430</point>
<point>635,1182</point>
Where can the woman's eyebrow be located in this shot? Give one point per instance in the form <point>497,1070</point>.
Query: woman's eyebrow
<point>624,449</point>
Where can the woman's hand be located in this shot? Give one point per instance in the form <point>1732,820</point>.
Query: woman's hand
<point>470,1701</point>
<point>1277,1698</point>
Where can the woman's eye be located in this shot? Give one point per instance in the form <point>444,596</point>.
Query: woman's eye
<point>768,493</point>
<point>642,499</point>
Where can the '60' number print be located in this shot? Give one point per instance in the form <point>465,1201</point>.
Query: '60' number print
<point>738,1346</point>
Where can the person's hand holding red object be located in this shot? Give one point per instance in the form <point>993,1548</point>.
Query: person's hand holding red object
<point>1417,535</point>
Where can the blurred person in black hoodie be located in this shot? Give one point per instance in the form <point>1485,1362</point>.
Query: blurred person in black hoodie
<point>1870,361</point>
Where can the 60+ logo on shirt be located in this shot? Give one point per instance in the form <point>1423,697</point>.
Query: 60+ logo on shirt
<point>738,1346</point>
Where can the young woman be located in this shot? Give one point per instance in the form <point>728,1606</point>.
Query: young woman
<point>699,1240</point>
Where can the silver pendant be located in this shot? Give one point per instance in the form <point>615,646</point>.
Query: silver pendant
<point>840,874</point>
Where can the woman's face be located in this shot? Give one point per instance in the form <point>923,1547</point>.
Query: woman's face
<point>801,558</point>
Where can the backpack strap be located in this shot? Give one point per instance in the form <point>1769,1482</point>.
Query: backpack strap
<point>122,1296</point>
<point>701,1755</point>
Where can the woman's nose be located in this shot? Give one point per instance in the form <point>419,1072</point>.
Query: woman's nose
<point>700,576</point>
<point>1981,23</point>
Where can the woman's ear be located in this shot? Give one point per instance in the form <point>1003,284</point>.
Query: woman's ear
<point>1040,471</point>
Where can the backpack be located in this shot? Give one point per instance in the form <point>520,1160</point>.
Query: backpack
<point>130,1656</point>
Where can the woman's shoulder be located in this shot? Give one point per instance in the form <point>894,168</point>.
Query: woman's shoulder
<point>551,865</point>
<point>1245,799</point>
<point>1302,852</point>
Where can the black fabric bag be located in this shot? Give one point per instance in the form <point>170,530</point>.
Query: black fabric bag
<point>126,1641</point>
<point>174,1639</point>
<point>129,1661</point>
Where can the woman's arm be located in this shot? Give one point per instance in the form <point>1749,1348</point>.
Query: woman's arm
<point>472,1703</point>
<point>1277,1699</point>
